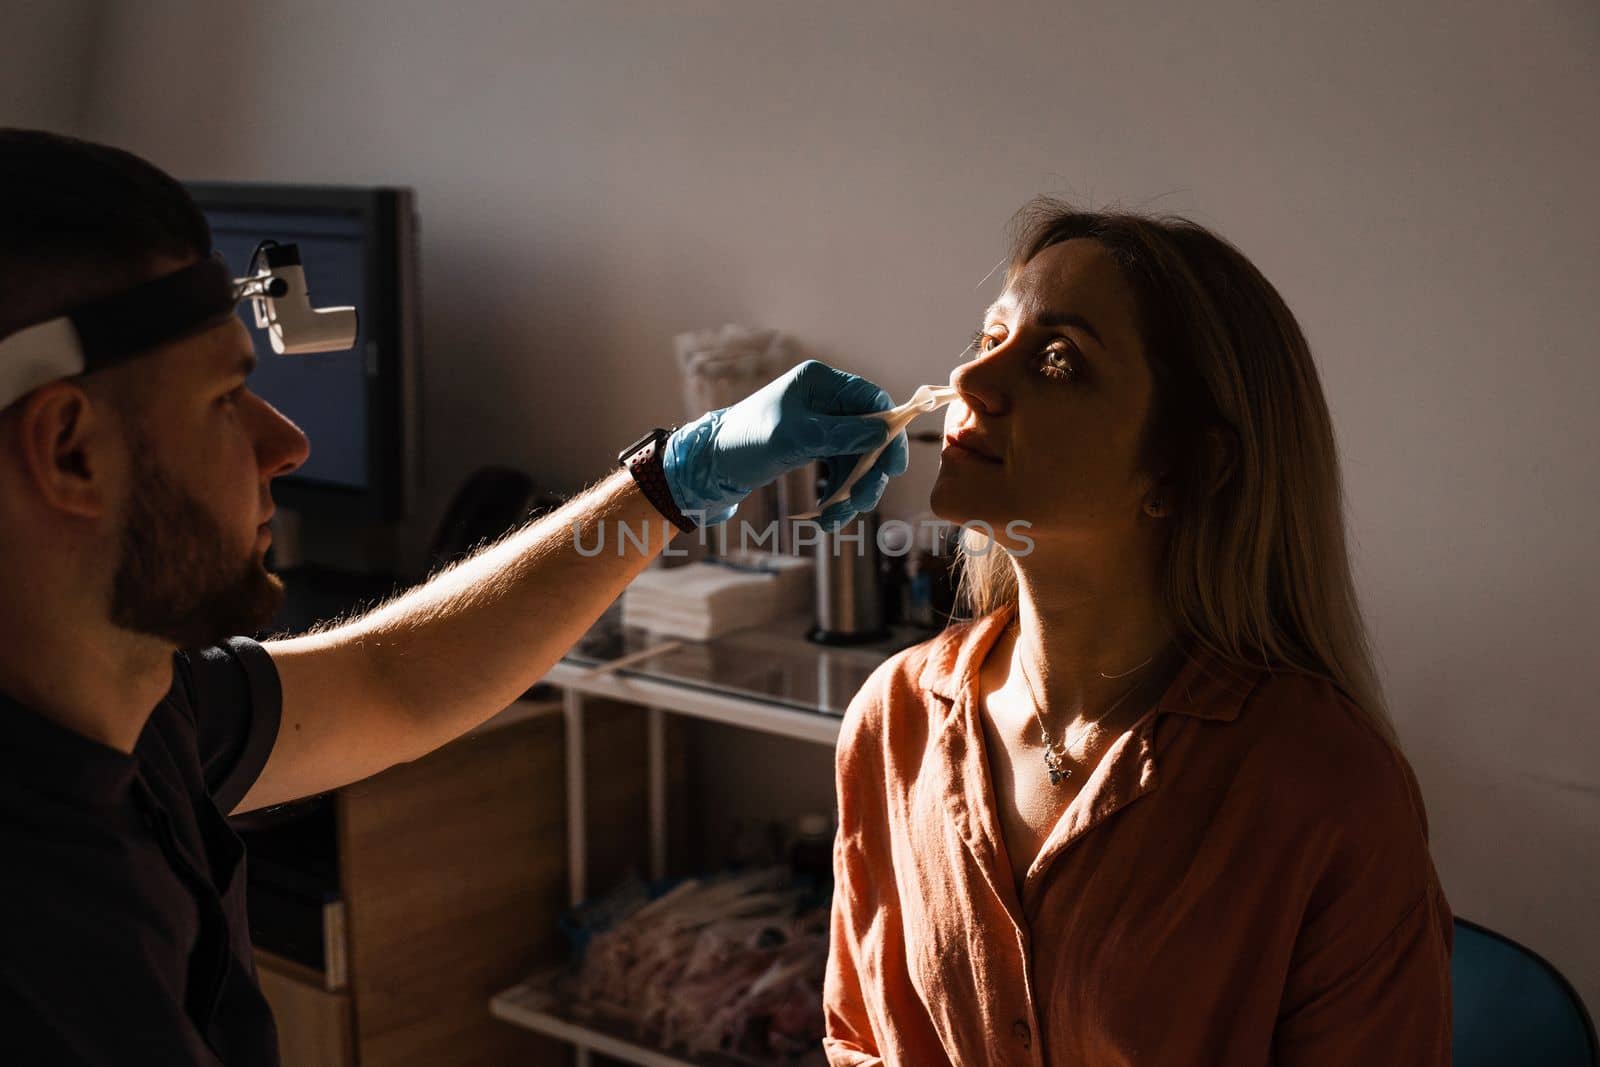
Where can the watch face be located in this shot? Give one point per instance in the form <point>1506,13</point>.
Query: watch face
<point>647,439</point>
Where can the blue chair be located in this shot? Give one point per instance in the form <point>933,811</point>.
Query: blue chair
<point>1511,1007</point>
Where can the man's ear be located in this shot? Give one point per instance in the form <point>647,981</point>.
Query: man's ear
<point>66,442</point>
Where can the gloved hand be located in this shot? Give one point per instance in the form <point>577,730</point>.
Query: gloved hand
<point>813,412</point>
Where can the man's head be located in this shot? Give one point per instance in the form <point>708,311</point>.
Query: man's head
<point>80,221</point>
<point>151,477</point>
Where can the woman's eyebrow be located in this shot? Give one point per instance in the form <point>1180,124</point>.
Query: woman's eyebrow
<point>1052,318</point>
<point>1068,318</point>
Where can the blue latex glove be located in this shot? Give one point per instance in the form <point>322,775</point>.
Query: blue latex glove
<point>813,412</point>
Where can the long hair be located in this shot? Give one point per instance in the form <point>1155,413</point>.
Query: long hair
<point>1254,564</point>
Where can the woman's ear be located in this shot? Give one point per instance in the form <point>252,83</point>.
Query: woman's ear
<point>1222,457</point>
<point>1221,447</point>
<point>1158,501</point>
<point>65,440</point>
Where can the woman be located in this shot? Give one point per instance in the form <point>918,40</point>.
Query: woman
<point>1146,807</point>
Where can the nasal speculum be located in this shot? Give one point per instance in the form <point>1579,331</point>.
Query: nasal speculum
<point>927,398</point>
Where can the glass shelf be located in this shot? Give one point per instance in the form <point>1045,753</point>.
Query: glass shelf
<point>774,664</point>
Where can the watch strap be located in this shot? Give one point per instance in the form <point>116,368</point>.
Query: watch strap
<point>643,459</point>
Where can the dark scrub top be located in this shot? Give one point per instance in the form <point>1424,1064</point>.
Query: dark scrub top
<point>123,937</point>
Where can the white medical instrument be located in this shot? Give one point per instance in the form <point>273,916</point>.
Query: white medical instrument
<point>282,305</point>
<point>927,398</point>
<point>104,332</point>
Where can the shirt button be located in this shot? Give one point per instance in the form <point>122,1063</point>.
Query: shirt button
<point>1020,1031</point>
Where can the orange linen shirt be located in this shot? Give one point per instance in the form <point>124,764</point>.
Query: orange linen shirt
<point>1244,879</point>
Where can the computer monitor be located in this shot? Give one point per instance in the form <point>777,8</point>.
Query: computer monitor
<point>358,407</point>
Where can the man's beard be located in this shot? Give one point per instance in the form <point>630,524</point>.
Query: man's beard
<point>176,579</point>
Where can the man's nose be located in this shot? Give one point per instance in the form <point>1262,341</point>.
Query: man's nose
<point>281,446</point>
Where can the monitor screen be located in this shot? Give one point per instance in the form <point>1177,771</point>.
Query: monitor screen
<point>359,407</point>
<point>324,393</point>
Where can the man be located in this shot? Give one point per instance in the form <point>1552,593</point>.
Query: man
<point>133,507</point>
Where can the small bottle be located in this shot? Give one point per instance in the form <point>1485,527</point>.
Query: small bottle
<point>944,571</point>
<point>919,589</point>
<point>811,854</point>
<point>894,542</point>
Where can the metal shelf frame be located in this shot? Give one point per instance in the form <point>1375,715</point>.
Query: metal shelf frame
<point>526,1005</point>
<point>531,1006</point>
<point>660,699</point>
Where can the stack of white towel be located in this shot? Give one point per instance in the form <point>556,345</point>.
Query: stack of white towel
<point>701,601</point>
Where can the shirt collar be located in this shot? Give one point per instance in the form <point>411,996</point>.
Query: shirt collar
<point>39,753</point>
<point>1205,687</point>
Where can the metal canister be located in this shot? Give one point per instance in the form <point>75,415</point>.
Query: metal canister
<point>850,584</point>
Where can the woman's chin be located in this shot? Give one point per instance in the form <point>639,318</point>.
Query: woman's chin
<point>959,501</point>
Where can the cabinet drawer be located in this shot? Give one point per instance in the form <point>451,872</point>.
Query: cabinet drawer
<point>313,1024</point>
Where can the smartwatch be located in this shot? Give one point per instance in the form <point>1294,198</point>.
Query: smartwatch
<point>643,460</point>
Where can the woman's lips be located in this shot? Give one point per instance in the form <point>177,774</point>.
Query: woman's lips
<point>965,446</point>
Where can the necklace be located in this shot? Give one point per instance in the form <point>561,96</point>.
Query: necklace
<point>1055,753</point>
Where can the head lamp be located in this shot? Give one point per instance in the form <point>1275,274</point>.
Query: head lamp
<point>102,333</point>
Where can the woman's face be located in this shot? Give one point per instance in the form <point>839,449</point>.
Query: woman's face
<point>1052,405</point>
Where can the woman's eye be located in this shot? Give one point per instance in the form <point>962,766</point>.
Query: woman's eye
<point>980,343</point>
<point>1058,364</point>
<point>1055,361</point>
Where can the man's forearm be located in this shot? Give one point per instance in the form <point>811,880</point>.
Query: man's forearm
<point>428,666</point>
<point>456,650</point>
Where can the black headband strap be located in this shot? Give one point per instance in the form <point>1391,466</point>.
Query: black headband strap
<point>154,312</point>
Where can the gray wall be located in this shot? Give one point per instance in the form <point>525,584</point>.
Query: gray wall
<point>46,56</point>
<point>1417,179</point>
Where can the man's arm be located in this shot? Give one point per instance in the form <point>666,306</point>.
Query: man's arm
<point>411,675</point>
<point>407,677</point>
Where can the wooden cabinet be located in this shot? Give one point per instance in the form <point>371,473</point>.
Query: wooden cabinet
<point>453,871</point>
<point>314,1025</point>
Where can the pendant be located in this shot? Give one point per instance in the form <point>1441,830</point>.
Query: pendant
<point>1058,774</point>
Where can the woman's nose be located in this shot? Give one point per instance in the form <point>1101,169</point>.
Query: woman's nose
<point>978,383</point>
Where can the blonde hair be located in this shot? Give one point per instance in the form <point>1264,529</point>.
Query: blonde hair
<point>1254,565</point>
